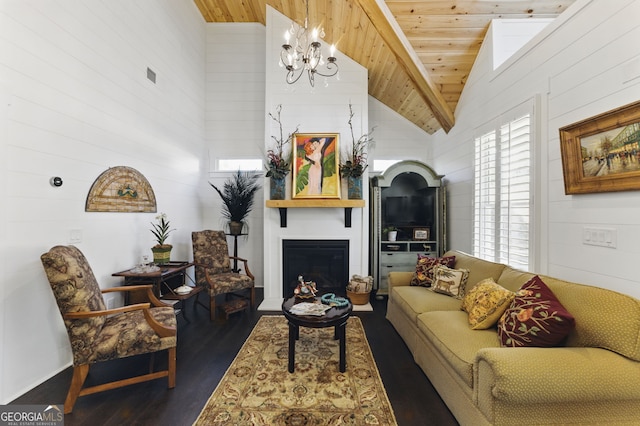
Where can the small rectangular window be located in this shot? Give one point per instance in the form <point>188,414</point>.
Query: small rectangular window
<point>382,165</point>
<point>244,164</point>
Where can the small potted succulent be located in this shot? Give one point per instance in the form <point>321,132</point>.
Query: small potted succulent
<point>391,232</point>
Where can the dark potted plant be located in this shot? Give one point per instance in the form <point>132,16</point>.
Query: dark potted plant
<point>237,199</point>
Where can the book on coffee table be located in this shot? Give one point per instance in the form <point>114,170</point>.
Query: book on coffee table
<point>306,308</point>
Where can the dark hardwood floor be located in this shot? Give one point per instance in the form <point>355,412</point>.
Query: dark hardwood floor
<point>205,351</point>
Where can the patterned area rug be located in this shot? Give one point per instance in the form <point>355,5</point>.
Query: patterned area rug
<point>257,389</point>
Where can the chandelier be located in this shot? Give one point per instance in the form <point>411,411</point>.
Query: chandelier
<point>305,54</point>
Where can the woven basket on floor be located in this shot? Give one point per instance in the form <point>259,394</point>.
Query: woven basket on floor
<point>358,298</point>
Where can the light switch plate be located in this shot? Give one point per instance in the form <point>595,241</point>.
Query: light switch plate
<point>603,237</point>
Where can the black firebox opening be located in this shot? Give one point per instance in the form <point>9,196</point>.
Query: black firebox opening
<point>324,261</point>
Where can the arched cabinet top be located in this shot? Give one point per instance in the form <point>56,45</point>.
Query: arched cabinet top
<point>409,166</point>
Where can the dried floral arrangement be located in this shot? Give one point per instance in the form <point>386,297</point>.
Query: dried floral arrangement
<point>279,158</point>
<point>356,159</point>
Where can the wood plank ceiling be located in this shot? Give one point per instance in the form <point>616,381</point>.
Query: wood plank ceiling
<point>422,81</point>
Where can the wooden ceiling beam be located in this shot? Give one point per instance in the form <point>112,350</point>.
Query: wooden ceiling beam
<point>426,88</point>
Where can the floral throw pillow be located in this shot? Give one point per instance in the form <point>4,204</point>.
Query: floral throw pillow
<point>535,318</point>
<point>449,281</point>
<point>423,276</point>
<point>485,303</point>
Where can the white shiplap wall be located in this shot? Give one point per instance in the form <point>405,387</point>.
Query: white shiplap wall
<point>585,63</point>
<point>394,136</point>
<point>234,118</point>
<point>77,101</point>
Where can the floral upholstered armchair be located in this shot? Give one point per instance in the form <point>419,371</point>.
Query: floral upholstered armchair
<point>100,334</point>
<point>213,267</point>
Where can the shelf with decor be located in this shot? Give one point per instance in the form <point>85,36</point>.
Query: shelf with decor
<point>347,205</point>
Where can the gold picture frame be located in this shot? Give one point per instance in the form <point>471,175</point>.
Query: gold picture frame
<point>602,153</point>
<point>315,165</point>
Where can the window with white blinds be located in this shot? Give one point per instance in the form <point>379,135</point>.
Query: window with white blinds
<point>503,192</point>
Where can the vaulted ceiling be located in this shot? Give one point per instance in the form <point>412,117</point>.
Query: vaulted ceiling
<point>418,52</point>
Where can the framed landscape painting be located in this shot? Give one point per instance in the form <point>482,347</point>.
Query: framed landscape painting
<point>602,153</point>
<point>315,167</point>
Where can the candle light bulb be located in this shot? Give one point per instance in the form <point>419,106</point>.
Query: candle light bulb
<point>332,49</point>
<point>287,36</point>
<point>314,34</point>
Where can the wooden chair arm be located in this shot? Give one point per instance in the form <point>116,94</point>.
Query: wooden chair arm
<point>127,288</point>
<point>207,267</point>
<point>152,297</point>
<point>160,329</point>
<point>91,314</point>
<point>246,266</point>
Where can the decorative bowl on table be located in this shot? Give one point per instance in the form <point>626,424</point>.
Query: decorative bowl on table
<point>184,289</point>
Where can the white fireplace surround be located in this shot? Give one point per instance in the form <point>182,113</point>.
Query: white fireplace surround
<point>319,109</point>
<point>273,295</point>
<point>312,224</point>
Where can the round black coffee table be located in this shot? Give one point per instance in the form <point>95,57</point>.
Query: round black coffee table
<point>334,317</point>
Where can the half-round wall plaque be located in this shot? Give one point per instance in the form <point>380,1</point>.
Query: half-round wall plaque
<point>121,189</point>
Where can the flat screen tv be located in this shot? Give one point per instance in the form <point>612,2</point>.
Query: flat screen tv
<point>408,210</point>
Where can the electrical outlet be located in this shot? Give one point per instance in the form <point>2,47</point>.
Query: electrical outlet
<point>111,303</point>
<point>603,237</point>
<point>75,236</point>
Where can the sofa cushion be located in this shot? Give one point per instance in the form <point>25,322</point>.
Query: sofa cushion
<point>415,300</point>
<point>512,279</point>
<point>478,269</point>
<point>535,318</point>
<point>449,281</point>
<point>455,341</point>
<point>485,303</point>
<point>423,275</point>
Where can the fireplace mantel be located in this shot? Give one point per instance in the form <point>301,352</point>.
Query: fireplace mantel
<point>283,205</point>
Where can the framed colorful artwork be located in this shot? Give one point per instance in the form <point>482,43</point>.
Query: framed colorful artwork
<point>315,166</point>
<point>602,153</point>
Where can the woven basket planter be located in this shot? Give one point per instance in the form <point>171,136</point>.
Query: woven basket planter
<point>358,298</point>
<point>161,255</point>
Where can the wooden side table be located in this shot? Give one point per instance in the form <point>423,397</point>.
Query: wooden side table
<point>181,298</point>
<point>334,317</point>
<point>165,280</point>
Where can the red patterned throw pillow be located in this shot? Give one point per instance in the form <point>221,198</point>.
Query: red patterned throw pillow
<point>423,276</point>
<point>535,318</point>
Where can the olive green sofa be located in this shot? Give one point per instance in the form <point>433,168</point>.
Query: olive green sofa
<point>593,379</point>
